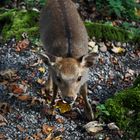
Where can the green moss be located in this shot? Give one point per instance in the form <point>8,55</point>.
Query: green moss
<point>137,81</point>
<point>124,109</point>
<point>108,32</point>
<point>18,21</point>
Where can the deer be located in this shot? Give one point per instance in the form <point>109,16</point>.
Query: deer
<point>65,41</point>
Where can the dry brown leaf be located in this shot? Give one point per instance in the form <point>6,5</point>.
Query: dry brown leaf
<point>2,136</point>
<point>47,129</point>
<point>49,137</point>
<point>3,121</point>
<point>8,74</point>
<point>16,89</point>
<point>4,108</point>
<point>60,120</point>
<point>63,107</point>
<point>24,97</point>
<point>20,128</point>
<point>22,45</point>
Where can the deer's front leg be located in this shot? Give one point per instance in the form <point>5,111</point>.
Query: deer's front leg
<point>49,84</point>
<point>88,108</point>
<point>55,90</point>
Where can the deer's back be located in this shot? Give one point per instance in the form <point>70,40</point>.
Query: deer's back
<point>62,30</point>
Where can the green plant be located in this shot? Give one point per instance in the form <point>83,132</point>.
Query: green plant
<point>109,32</point>
<point>101,110</point>
<point>124,109</point>
<point>15,22</point>
<point>34,3</point>
<point>117,8</point>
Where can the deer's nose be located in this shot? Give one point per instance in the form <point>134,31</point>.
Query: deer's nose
<point>69,100</point>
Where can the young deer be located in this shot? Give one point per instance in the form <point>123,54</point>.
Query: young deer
<point>66,43</point>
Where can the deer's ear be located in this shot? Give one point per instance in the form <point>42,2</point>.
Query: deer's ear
<point>88,60</point>
<point>49,60</point>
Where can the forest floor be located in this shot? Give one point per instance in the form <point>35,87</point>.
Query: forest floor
<point>25,105</point>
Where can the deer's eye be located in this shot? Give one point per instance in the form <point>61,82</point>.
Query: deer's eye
<point>58,79</point>
<point>79,78</point>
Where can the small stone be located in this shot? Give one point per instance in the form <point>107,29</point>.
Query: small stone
<point>119,44</point>
<point>93,126</point>
<point>103,48</point>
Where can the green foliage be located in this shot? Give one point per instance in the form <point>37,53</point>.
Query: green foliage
<point>117,8</point>
<point>101,110</point>
<point>137,82</point>
<point>108,32</point>
<point>124,109</point>
<point>28,3</point>
<point>34,3</point>
<point>18,21</point>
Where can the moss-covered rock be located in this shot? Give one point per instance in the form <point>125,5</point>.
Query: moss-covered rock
<point>108,32</point>
<point>14,22</point>
<point>124,109</point>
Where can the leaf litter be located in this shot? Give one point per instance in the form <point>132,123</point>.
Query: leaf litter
<point>24,90</point>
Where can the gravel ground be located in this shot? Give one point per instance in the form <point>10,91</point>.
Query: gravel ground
<point>112,73</point>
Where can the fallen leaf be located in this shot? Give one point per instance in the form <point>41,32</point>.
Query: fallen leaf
<point>49,137</point>
<point>16,89</point>
<point>4,108</point>
<point>42,69</point>
<point>41,81</point>
<point>37,136</point>
<point>60,120</point>
<point>24,97</point>
<point>63,107</point>
<point>20,128</point>
<point>58,137</point>
<point>47,129</point>
<point>3,121</point>
<point>22,45</point>
<point>8,74</point>
<point>36,100</point>
<point>118,49</point>
<point>93,127</point>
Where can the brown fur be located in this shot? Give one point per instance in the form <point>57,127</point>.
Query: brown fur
<point>65,40</point>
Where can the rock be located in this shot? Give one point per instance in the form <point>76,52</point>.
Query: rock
<point>103,48</point>
<point>93,127</point>
<point>112,126</point>
<point>93,47</point>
